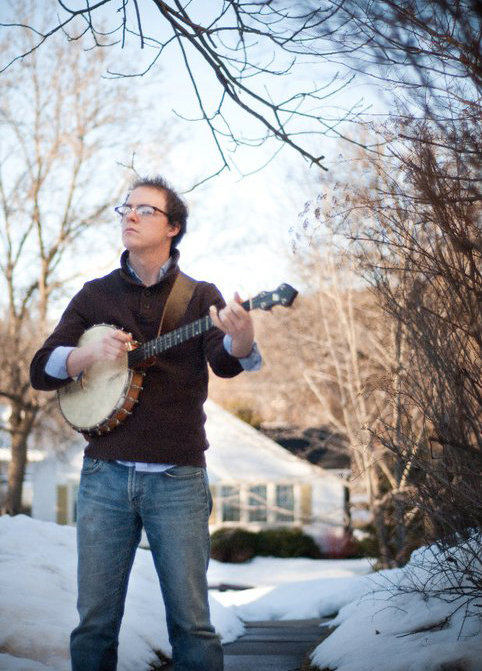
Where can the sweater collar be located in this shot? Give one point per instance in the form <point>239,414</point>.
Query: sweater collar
<point>170,267</point>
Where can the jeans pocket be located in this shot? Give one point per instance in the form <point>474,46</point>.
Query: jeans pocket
<point>90,465</point>
<point>184,472</point>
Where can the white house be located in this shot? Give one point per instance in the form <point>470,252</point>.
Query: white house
<point>34,457</point>
<point>255,483</point>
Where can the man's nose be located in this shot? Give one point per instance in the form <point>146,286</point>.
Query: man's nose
<point>132,216</point>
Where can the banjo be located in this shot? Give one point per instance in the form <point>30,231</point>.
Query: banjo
<point>107,392</point>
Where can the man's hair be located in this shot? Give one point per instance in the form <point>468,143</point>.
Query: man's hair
<point>177,211</point>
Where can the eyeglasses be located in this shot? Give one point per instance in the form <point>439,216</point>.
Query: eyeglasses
<point>141,210</point>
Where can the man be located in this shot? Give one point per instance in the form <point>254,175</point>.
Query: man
<point>150,471</point>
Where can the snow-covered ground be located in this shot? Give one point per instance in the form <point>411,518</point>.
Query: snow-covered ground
<point>378,628</point>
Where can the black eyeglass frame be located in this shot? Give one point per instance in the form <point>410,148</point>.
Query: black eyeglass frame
<point>135,208</point>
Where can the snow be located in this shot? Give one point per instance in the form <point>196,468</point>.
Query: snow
<point>38,611</point>
<point>381,625</point>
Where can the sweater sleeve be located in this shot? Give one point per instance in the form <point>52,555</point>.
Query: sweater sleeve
<point>78,317</point>
<point>222,363</point>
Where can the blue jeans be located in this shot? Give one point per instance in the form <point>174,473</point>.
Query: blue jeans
<point>114,503</point>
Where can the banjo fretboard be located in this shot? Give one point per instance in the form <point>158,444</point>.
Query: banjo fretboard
<point>283,295</point>
<point>168,340</point>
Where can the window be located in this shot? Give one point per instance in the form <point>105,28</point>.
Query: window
<point>257,504</point>
<point>285,503</point>
<point>260,504</point>
<point>231,504</point>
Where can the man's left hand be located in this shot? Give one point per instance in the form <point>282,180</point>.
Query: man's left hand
<point>236,322</point>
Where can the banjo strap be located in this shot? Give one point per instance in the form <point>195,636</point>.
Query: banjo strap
<point>177,302</point>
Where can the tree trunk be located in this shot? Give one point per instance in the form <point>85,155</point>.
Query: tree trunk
<point>20,426</point>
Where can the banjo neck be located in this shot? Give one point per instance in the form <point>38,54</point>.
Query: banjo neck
<point>167,340</point>
<point>283,295</point>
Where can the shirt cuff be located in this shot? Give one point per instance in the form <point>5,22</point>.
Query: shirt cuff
<point>251,362</point>
<point>57,363</point>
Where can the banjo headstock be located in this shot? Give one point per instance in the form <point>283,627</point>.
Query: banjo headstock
<point>284,295</point>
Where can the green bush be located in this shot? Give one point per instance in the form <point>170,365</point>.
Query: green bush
<point>286,542</point>
<point>233,545</point>
<point>236,545</point>
<point>368,546</point>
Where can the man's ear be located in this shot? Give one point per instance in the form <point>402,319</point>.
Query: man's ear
<point>173,230</point>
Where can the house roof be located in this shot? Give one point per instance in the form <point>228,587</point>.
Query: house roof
<point>239,452</point>
<point>318,445</point>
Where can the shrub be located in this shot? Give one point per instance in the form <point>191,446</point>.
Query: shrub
<point>368,545</point>
<point>248,415</point>
<point>233,545</point>
<point>342,547</point>
<point>286,542</point>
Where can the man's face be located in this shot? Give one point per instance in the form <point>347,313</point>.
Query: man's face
<point>148,233</point>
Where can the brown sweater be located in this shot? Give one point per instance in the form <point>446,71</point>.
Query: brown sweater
<point>167,425</point>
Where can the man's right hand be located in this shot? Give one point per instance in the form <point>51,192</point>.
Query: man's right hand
<point>108,348</point>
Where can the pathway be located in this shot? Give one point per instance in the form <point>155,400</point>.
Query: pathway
<point>275,645</point>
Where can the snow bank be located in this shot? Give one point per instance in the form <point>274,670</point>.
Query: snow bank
<point>37,607</point>
<point>396,627</point>
<point>382,623</point>
<point>304,599</point>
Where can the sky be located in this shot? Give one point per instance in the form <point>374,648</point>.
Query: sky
<point>239,228</point>
<point>381,625</point>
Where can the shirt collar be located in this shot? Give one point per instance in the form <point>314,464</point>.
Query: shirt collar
<point>162,271</point>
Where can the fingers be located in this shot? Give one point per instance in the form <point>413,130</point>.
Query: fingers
<point>213,313</point>
<point>114,345</point>
<point>232,318</point>
<point>236,322</point>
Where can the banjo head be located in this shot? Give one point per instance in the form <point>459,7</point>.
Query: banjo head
<point>88,403</point>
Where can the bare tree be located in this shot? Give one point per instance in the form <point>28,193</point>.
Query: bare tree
<point>239,56</point>
<point>413,223</point>
<point>56,159</point>
<point>415,229</point>
<point>334,361</point>
<point>411,216</point>
<point>254,57</point>
<point>350,358</point>
<point>421,53</point>
<point>418,240</point>
<point>432,231</point>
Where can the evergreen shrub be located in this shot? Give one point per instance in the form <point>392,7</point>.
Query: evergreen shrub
<point>286,542</point>
<point>233,545</point>
<point>236,545</point>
